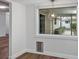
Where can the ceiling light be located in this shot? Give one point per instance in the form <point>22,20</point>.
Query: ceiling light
<point>3,7</point>
<point>52,0</point>
<point>52,15</point>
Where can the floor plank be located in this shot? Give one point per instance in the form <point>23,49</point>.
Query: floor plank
<point>4,47</point>
<point>37,56</point>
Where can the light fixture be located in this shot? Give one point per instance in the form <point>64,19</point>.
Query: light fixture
<point>52,0</point>
<point>3,7</point>
<point>53,15</point>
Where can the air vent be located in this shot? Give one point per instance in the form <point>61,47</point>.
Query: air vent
<point>39,46</point>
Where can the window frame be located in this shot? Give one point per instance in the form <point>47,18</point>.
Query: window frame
<point>53,6</point>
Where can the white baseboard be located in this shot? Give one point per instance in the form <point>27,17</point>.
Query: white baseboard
<point>45,53</point>
<point>18,54</point>
<point>54,54</point>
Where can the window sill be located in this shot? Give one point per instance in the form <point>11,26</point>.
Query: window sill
<point>61,37</point>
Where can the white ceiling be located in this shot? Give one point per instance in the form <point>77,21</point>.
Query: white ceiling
<point>67,10</point>
<point>32,1</point>
<point>44,1</point>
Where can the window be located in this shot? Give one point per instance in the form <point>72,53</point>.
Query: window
<point>42,23</point>
<point>58,21</point>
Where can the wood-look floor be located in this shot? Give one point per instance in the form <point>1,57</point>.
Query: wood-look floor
<point>36,56</point>
<point>4,47</point>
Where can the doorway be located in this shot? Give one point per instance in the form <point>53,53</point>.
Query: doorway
<point>4,29</point>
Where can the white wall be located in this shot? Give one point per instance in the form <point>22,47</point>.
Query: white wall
<point>7,22</point>
<point>24,25</point>
<point>44,2</point>
<point>2,24</point>
<point>18,29</point>
<point>57,44</point>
